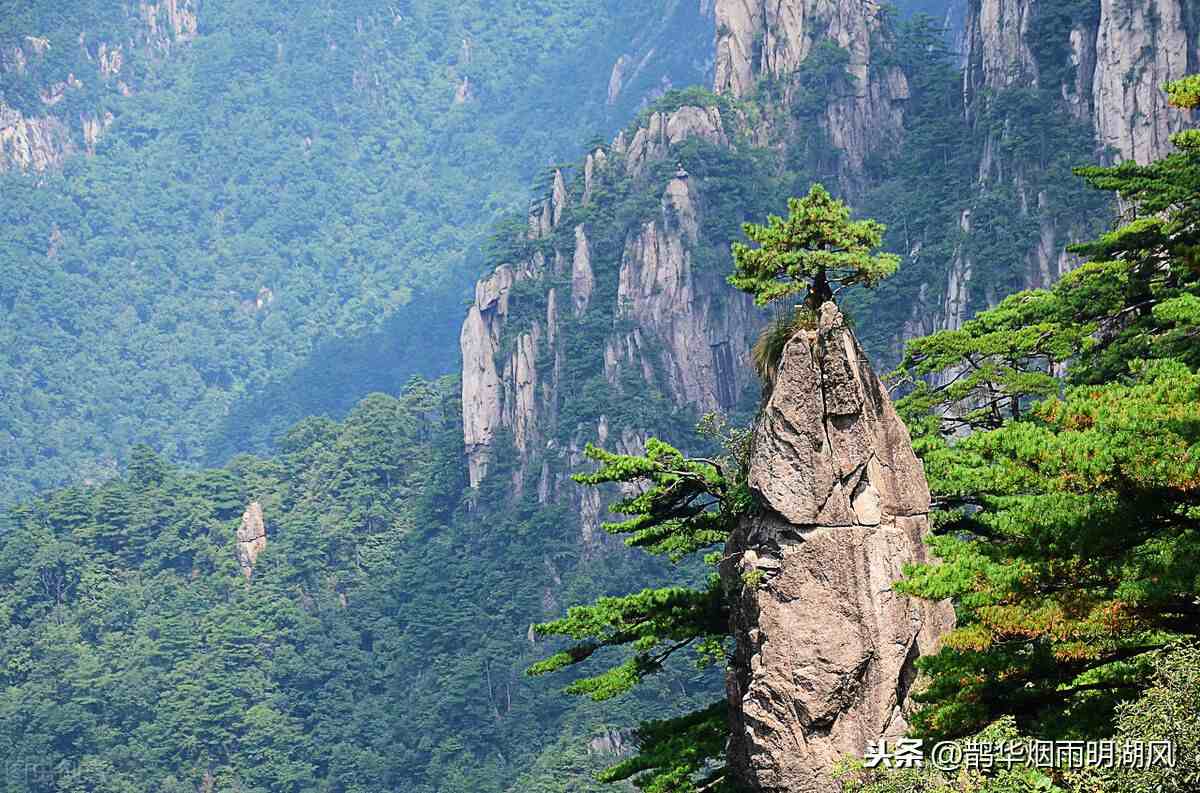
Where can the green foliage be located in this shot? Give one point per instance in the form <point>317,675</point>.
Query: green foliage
<point>369,652</point>
<point>1185,92</point>
<point>816,248</point>
<point>675,617</point>
<point>678,753</point>
<point>1084,553</point>
<point>1168,710</point>
<point>313,151</point>
<point>821,77</point>
<point>674,516</point>
<point>856,778</point>
<point>1068,525</point>
<point>684,505</point>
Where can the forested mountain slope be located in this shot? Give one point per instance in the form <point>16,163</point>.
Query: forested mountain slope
<point>380,642</point>
<point>220,217</point>
<point>378,645</point>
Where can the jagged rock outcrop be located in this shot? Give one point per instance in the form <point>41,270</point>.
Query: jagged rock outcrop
<point>692,317</point>
<point>32,144</point>
<point>825,645</point>
<point>582,278</point>
<point>678,327</point>
<point>1120,54</point>
<point>997,41</point>
<point>167,22</point>
<point>653,141</point>
<point>251,538</point>
<point>481,389</point>
<point>772,38</point>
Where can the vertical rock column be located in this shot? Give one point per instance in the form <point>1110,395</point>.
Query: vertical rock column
<point>251,538</point>
<point>825,645</point>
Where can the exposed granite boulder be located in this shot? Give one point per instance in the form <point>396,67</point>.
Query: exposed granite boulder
<point>251,538</point>
<point>825,646</point>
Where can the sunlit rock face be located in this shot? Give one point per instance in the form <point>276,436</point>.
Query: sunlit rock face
<point>826,648</point>
<point>759,39</point>
<point>251,538</point>
<point>1119,56</point>
<point>675,326</point>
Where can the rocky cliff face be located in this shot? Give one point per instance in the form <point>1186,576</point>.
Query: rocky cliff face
<point>676,328</point>
<point>32,144</point>
<point>771,39</point>
<point>825,647</point>
<point>34,139</point>
<point>671,325</point>
<point>1118,54</point>
<point>1102,62</point>
<point>679,329</point>
<point>674,52</point>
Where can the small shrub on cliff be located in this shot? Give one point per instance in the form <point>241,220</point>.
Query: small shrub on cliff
<point>768,349</point>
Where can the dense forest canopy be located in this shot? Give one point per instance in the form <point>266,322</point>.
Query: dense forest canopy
<point>244,296</point>
<point>283,216</point>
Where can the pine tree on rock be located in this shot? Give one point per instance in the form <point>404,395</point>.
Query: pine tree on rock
<point>686,505</point>
<point>815,251</point>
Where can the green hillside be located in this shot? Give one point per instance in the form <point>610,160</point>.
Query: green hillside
<point>274,199</point>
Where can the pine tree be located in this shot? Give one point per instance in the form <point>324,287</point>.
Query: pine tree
<point>686,505</point>
<point>815,251</point>
<point>1068,523</point>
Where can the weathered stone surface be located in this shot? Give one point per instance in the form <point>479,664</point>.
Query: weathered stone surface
<point>251,538</point>
<point>559,199</point>
<point>32,144</point>
<point>997,39</point>
<point>481,390</point>
<point>772,38</point>
<point>668,300</point>
<point>1120,58</point>
<point>1139,46</point>
<point>825,646</point>
<point>582,279</point>
<point>678,327</point>
<point>594,163</point>
<point>653,141</point>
